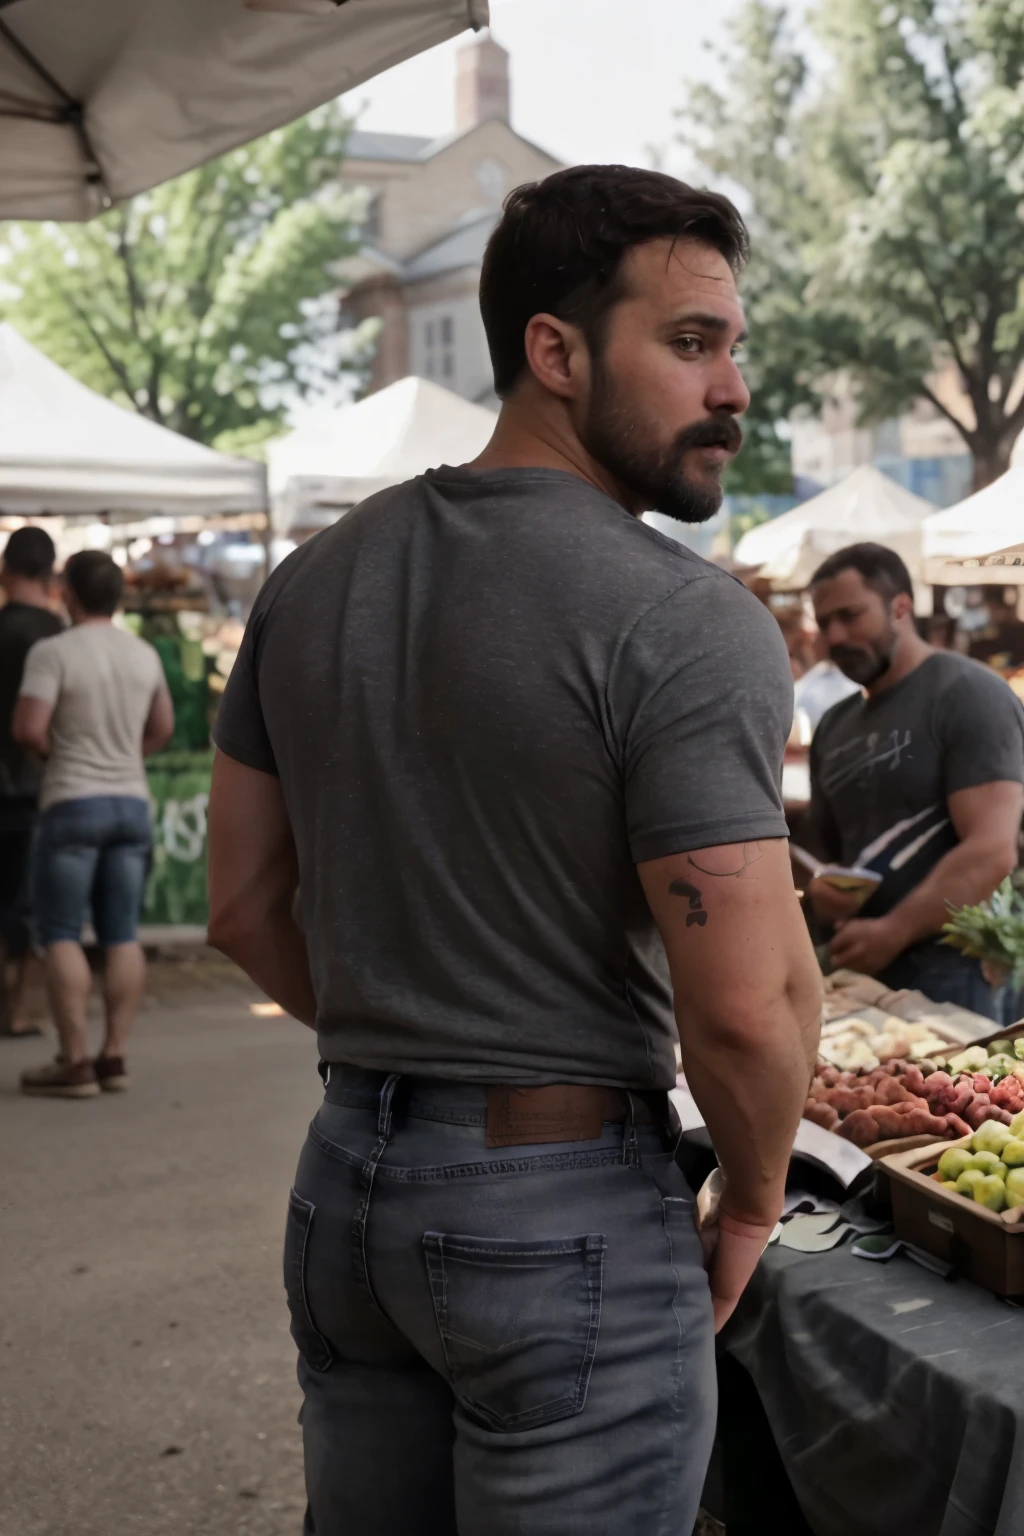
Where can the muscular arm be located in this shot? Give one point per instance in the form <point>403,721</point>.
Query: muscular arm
<point>748,1006</point>
<point>987,821</point>
<point>254,875</point>
<point>30,724</point>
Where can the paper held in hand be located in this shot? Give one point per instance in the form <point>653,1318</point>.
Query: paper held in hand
<point>854,881</point>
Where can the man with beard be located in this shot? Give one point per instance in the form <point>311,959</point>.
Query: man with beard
<point>919,777</point>
<point>514,745</point>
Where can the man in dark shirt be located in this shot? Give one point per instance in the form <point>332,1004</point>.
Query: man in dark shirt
<point>513,745</point>
<point>26,617</point>
<point>919,777</point>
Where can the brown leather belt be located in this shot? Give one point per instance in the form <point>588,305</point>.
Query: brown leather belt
<point>518,1117</point>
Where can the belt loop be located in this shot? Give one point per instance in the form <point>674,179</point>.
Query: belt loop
<point>387,1096</point>
<point>630,1145</point>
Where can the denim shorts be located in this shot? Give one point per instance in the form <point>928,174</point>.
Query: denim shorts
<point>93,854</point>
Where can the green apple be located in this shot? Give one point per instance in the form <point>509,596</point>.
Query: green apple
<point>1013,1153</point>
<point>1015,1181</point>
<point>953,1162</point>
<point>1016,1126</point>
<point>967,1180</point>
<point>988,1163</point>
<point>991,1193</point>
<point>992,1136</point>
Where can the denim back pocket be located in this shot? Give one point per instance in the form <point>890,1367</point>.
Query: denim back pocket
<point>309,1341</point>
<point>518,1323</point>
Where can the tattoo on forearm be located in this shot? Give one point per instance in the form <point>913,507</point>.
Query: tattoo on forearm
<point>731,863</point>
<point>696,914</point>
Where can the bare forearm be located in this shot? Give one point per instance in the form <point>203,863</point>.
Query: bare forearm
<point>750,1084</point>
<point>271,950</point>
<point>967,874</point>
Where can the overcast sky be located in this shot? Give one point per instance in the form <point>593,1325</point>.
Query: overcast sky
<point>592,80</point>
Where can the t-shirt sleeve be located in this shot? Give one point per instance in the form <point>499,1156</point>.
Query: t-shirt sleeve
<point>701,703</point>
<point>240,730</point>
<point>981,729</point>
<point>41,678</point>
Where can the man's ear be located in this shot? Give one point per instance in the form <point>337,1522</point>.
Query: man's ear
<point>557,356</point>
<point>903,606</point>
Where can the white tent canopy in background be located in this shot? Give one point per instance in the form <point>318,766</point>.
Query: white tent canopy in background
<point>981,539</point>
<point>65,449</point>
<point>338,459</point>
<point>865,507</point>
<point>100,99</point>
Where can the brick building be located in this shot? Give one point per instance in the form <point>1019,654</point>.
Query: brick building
<point>433,204</point>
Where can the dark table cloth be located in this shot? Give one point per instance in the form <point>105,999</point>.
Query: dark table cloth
<point>895,1398</point>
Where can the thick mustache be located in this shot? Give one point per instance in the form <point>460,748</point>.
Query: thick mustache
<point>716,432</point>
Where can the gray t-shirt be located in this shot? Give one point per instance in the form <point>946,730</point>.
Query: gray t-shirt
<point>488,695</point>
<point>882,769</point>
<point>101,681</point>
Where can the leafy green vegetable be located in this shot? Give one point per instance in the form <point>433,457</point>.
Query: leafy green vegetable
<point>993,930</point>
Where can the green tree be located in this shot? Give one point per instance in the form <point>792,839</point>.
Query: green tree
<point>880,155</point>
<point>206,303</point>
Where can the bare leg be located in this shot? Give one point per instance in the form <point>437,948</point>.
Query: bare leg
<point>124,980</point>
<point>68,981</point>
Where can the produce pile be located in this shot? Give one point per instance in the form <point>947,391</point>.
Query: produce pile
<point>991,1170</point>
<point>993,931</point>
<point>853,1044</point>
<point>938,1097</point>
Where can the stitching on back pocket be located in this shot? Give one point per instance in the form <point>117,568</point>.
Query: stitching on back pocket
<point>518,1321</point>
<point>309,1341</point>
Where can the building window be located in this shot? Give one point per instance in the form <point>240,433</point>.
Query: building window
<point>439,348</point>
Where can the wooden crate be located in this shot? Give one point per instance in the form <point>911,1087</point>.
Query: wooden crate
<point>984,1246</point>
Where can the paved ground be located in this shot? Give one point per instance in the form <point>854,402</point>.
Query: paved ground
<point>146,1373</point>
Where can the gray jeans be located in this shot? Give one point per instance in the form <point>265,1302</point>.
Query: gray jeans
<point>506,1342</point>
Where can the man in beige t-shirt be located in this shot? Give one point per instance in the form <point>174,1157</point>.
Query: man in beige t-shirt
<point>93,704</point>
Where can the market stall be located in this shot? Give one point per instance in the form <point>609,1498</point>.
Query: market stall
<point>336,459</point>
<point>867,1378</point>
<point>100,476</point>
<point>101,101</point>
<point>866,505</point>
<point>980,541</point>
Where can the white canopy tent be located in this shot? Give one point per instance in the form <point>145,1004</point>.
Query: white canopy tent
<point>865,507</point>
<point>980,541</point>
<point>336,460</point>
<point>65,449</point>
<point>103,99</point>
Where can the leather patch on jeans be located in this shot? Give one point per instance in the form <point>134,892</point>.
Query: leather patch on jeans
<point>521,1117</point>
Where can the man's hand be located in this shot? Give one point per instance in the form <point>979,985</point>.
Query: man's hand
<point>735,1254</point>
<point>831,905</point>
<point>867,944</point>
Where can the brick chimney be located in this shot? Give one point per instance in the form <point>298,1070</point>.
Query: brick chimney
<point>481,83</point>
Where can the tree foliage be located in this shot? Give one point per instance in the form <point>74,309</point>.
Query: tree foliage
<point>203,303</point>
<point>880,154</point>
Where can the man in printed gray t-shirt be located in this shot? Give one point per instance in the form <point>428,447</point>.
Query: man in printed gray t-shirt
<point>514,745</point>
<point>918,778</point>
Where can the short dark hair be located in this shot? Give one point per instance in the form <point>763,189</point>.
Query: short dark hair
<point>96,581</point>
<point>30,552</point>
<point>559,244</point>
<point>882,569</point>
